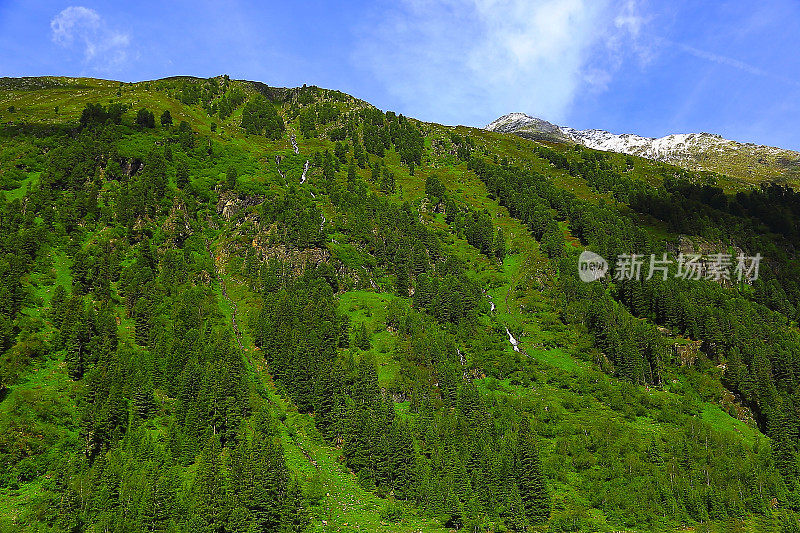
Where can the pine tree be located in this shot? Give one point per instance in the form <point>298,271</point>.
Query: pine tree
<point>142,313</point>
<point>365,390</point>
<point>514,511</point>
<point>473,516</point>
<point>295,517</point>
<point>351,177</point>
<point>75,359</point>
<point>326,397</point>
<point>402,281</point>
<point>359,155</point>
<point>143,401</point>
<point>208,496</point>
<point>327,169</point>
<point>450,210</point>
<point>164,487</point>
<point>375,171</point>
<point>387,181</point>
<point>532,487</point>
<point>166,118</point>
<point>259,473</point>
<point>499,247</point>
<point>401,459</point>
<point>230,177</point>
<point>355,443</point>
<point>259,116</point>
<point>145,118</point>
<point>57,303</point>
<point>362,339</point>
<point>182,173</point>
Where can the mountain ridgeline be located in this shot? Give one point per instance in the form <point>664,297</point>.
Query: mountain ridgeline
<point>231,307</point>
<point>746,163</point>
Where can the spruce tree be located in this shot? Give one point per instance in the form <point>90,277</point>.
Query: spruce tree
<point>295,518</point>
<point>143,401</point>
<point>182,173</point>
<point>207,495</point>
<point>230,177</point>
<point>166,118</point>
<point>532,487</point>
<point>362,339</point>
<point>402,281</point>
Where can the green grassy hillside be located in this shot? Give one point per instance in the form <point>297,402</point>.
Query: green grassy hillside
<point>232,307</point>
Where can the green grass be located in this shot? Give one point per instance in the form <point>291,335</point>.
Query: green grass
<point>556,357</point>
<point>370,308</point>
<point>722,421</point>
<point>38,415</point>
<point>22,190</point>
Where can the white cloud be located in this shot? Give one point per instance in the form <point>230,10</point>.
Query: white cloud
<point>630,19</point>
<point>734,63</point>
<point>721,60</point>
<point>451,60</point>
<point>104,48</point>
<point>598,79</point>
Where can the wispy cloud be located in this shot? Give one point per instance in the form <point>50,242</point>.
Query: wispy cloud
<point>630,18</point>
<point>457,61</point>
<point>734,63</point>
<point>104,48</point>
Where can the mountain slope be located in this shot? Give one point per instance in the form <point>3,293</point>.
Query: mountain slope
<point>693,151</point>
<point>233,307</point>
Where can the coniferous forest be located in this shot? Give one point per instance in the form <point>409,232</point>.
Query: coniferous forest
<point>228,307</point>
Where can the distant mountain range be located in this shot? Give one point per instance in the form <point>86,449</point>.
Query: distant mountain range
<point>693,151</point>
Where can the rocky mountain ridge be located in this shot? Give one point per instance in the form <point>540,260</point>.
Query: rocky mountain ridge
<point>693,151</point>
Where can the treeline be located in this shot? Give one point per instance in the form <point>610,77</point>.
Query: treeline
<point>259,117</point>
<point>370,131</point>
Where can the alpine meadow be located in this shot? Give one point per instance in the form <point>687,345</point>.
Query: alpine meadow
<point>231,307</point>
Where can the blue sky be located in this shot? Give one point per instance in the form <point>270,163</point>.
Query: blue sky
<point>640,66</point>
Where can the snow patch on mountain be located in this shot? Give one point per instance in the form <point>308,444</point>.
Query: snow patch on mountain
<point>688,149</point>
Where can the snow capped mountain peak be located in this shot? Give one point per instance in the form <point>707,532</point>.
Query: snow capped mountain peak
<point>512,122</point>
<point>695,151</point>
